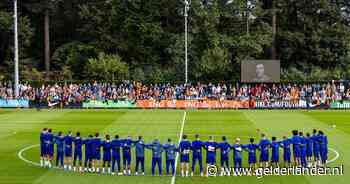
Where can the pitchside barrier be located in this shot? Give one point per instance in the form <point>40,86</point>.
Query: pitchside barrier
<point>178,104</point>
<point>14,103</point>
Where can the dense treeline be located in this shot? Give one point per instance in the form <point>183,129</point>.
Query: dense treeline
<point>143,39</point>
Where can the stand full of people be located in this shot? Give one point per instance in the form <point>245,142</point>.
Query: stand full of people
<point>75,93</point>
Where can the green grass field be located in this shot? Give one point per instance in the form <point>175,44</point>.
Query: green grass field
<point>20,129</point>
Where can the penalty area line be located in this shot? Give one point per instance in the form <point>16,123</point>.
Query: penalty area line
<point>177,153</point>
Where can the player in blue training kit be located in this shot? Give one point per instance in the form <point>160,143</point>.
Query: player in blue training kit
<point>237,154</point>
<point>323,140</point>
<point>316,147</point>
<point>264,146</point>
<point>286,151</point>
<point>68,151</point>
<point>309,145</point>
<point>107,155</point>
<point>59,141</point>
<point>170,151</point>
<point>140,155</point>
<point>296,147</point>
<point>116,145</point>
<point>88,153</point>
<point>302,149</point>
<point>43,137</point>
<point>210,147</point>
<point>275,145</point>
<point>157,150</point>
<point>225,148</point>
<point>50,147</point>
<point>126,146</point>
<point>78,153</point>
<point>197,146</point>
<point>251,148</point>
<point>184,148</point>
<point>96,146</point>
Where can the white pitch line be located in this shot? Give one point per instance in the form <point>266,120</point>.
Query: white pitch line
<point>20,155</point>
<point>177,153</point>
<point>336,156</point>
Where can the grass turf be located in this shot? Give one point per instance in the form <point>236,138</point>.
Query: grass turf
<point>20,128</point>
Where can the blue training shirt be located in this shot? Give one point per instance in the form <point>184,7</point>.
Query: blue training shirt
<point>286,145</point>
<point>156,148</point>
<point>211,147</point>
<point>59,141</point>
<point>197,146</point>
<point>225,148</point>
<point>42,138</point>
<point>296,143</point>
<point>170,151</point>
<point>126,146</point>
<point>78,142</point>
<point>302,146</point>
<point>140,148</point>
<point>315,144</point>
<point>251,148</point>
<point>88,146</point>
<point>68,141</point>
<point>185,147</point>
<point>264,146</point>
<point>309,146</point>
<point>237,151</point>
<point>116,145</point>
<point>275,145</point>
<point>106,147</point>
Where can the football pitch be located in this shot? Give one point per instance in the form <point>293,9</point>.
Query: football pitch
<point>19,131</point>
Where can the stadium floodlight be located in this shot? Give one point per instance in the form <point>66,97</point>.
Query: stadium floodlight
<point>229,2</point>
<point>15,20</point>
<point>249,5</point>
<point>187,8</point>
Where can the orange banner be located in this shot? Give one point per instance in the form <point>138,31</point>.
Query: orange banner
<point>197,104</point>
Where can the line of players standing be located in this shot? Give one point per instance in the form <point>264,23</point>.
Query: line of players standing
<point>307,151</point>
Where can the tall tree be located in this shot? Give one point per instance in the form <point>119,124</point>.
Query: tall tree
<point>6,39</point>
<point>44,8</point>
<point>308,36</point>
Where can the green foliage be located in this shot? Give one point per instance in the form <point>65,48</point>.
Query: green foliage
<point>312,74</point>
<point>106,67</point>
<point>138,75</point>
<point>73,55</point>
<point>31,74</point>
<point>214,64</point>
<point>313,37</point>
<point>25,35</point>
<point>67,74</point>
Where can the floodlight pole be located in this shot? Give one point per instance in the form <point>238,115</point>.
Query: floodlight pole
<point>247,17</point>
<point>15,19</point>
<point>187,7</point>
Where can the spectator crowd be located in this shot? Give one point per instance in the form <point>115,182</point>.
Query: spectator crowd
<point>75,93</point>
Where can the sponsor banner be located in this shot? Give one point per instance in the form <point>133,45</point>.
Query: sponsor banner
<point>283,104</point>
<point>14,103</point>
<point>109,104</point>
<point>54,104</point>
<point>197,104</point>
<point>340,105</point>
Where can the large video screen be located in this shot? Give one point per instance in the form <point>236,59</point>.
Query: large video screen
<point>260,71</point>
